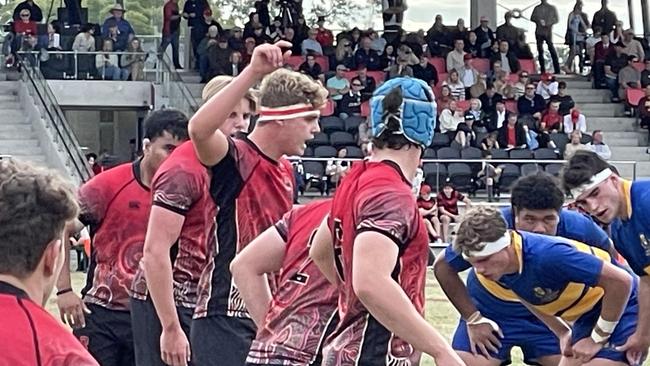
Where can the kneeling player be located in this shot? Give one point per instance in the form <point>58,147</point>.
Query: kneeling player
<point>302,312</point>
<point>559,280</point>
<point>536,206</point>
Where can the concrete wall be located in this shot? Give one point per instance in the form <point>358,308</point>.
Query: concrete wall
<point>114,94</point>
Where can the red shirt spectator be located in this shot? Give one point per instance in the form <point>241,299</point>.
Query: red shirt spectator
<point>602,51</point>
<point>512,136</point>
<point>552,119</point>
<point>448,199</point>
<point>170,10</point>
<point>324,36</point>
<point>25,26</point>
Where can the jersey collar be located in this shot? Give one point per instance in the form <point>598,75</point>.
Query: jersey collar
<point>137,173</point>
<point>517,244</point>
<point>9,289</point>
<point>627,196</point>
<point>395,166</point>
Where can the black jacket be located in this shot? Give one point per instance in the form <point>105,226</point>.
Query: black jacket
<point>520,135</point>
<point>512,61</point>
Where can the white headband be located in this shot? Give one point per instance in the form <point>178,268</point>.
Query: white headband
<point>287,112</point>
<point>491,247</point>
<point>593,182</point>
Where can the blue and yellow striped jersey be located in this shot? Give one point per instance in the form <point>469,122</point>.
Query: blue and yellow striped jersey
<point>631,236</point>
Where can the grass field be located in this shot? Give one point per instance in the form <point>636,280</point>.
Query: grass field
<point>439,312</point>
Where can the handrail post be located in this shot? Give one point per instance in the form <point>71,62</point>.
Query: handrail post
<point>76,66</point>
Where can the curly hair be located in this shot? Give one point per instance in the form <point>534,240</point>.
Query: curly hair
<point>479,225</point>
<point>35,205</point>
<point>539,191</point>
<point>285,87</point>
<point>219,82</point>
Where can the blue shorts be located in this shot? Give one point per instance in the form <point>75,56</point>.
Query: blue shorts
<point>531,335</point>
<point>626,326</point>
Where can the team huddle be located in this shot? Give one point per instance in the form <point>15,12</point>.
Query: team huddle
<point>199,257</point>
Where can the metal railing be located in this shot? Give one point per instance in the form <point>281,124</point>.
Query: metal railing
<point>174,88</point>
<point>62,134</point>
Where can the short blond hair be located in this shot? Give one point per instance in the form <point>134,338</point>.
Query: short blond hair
<point>285,87</point>
<point>479,225</point>
<point>217,83</point>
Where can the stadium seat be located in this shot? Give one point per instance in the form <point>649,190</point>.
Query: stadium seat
<point>463,105</point>
<point>328,109</point>
<point>520,154</point>
<point>439,63</point>
<point>448,153</point>
<point>379,76</point>
<point>460,175</point>
<point>640,66</point>
<point>429,153</point>
<point>365,109</point>
<point>352,123</point>
<point>500,154</point>
<point>309,152</point>
<point>331,124</point>
<point>350,75</point>
<point>315,168</point>
<point>545,154</point>
<point>440,140</point>
<point>509,175</point>
<point>482,65</point>
<point>471,153</point>
<point>513,77</point>
<point>554,169</point>
<point>434,174</point>
<point>324,152</point>
<point>560,140</point>
<point>319,139</point>
<point>324,63</point>
<point>295,61</point>
<point>633,96</point>
<point>354,152</point>
<point>528,66</point>
<point>511,105</point>
<point>340,139</point>
<point>528,169</point>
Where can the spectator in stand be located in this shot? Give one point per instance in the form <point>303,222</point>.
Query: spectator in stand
<point>445,98</point>
<point>545,17</point>
<point>311,44</point>
<point>493,50</point>
<point>438,39</point>
<point>253,22</point>
<point>552,120</point>
<point>368,84</point>
<point>402,69</point>
<point>94,163</point>
<point>459,31</point>
<point>262,9</point>
<point>134,61</point>
<point>108,65</point>
<point>632,46</point>
<point>466,132</point>
<point>428,207</point>
<point>302,29</point>
<point>479,87</point>
<point>509,62</point>
<point>125,32</point>
<point>393,16</point>
<point>35,13</point>
<point>489,143</point>
<point>547,87</point>
<point>628,77</point>
<point>532,138</point>
<point>484,37</point>
<point>566,101</point>
<point>234,66</point>
<point>377,43</point>
<point>495,68</point>
<point>84,41</point>
<point>508,32</point>
<point>449,120</point>
<point>260,36</point>
<point>388,58</point>
<point>512,134</point>
<point>616,35</point>
<point>355,39</point>
<point>213,54</point>
<point>236,41</point>
<point>603,51</point>
<point>490,98</point>
<point>311,67</point>
<point>604,18</point>
<point>324,36</point>
<point>407,53</point>
<point>344,54</point>
<point>480,117</point>
<point>503,86</point>
<point>455,85</point>
<point>498,118</point>
<point>471,46</point>
<point>171,31</point>
<point>574,145</point>
<point>598,146</point>
<point>249,46</point>
<point>644,109</point>
<point>54,36</point>
<point>447,200</point>
<point>519,88</point>
<point>274,31</point>
<point>367,56</point>
<point>426,71</point>
<point>456,58</point>
<point>350,104</point>
<point>577,25</point>
<point>24,27</point>
<point>468,74</point>
<point>531,104</point>
<point>338,85</point>
<point>364,135</point>
<point>613,66</point>
<point>645,75</point>
<point>575,121</point>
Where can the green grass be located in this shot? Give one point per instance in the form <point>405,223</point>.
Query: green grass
<point>439,312</point>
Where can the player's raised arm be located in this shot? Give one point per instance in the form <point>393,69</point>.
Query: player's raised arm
<point>211,145</point>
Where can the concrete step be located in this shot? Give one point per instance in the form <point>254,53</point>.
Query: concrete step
<point>8,98</point>
<point>614,124</point>
<point>20,149</point>
<point>9,87</point>
<point>12,116</point>
<point>635,153</point>
<point>9,105</point>
<point>195,89</point>
<point>639,140</point>
<point>591,98</point>
<point>191,78</point>
<point>18,127</point>
<point>602,109</point>
<point>16,134</point>
<point>578,84</point>
<point>627,170</point>
<point>36,159</point>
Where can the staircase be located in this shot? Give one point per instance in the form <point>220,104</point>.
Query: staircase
<point>17,135</point>
<point>621,133</point>
<point>192,81</point>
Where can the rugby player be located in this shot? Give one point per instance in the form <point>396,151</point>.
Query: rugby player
<point>35,205</point>
<point>625,207</point>
<point>374,243</point>
<point>181,225</point>
<point>294,320</point>
<point>116,204</point>
<point>253,186</point>
<point>560,280</point>
<point>499,325</point>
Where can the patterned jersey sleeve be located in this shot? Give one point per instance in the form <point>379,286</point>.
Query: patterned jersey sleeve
<point>177,187</point>
<point>284,224</point>
<point>391,212</point>
<point>94,199</point>
<point>567,264</point>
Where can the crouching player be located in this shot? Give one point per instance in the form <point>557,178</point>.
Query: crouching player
<point>580,293</point>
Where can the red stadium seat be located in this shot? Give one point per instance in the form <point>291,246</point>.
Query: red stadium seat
<point>511,105</point>
<point>513,78</point>
<point>482,65</point>
<point>442,76</point>
<point>350,75</point>
<point>529,66</point>
<point>639,66</point>
<point>439,63</point>
<point>633,96</point>
<point>379,76</point>
<point>365,109</point>
<point>328,109</point>
<point>463,104</point>
<point>323,62</point>
<point>295,61</point>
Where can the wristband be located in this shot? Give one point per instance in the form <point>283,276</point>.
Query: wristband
<point>606,326</point>
<point>477,319</point>
<point>597,338</point>
<point>63,291</point>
